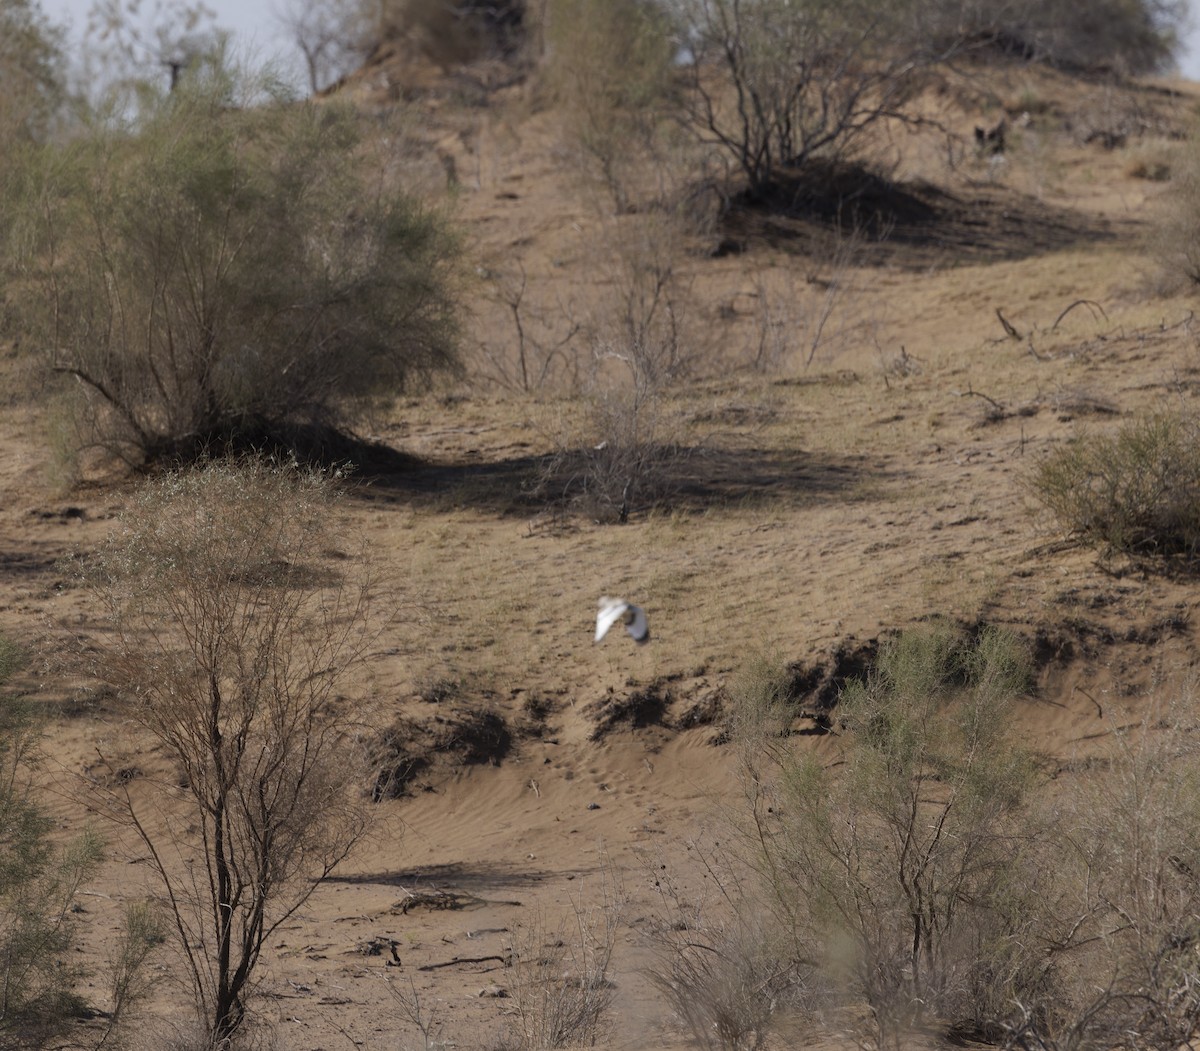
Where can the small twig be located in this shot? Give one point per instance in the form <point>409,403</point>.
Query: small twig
<point>463,959</point>
<point>970,393</point>
<point>1096,307</point>
<point>1099,710</point>
<point>1012,332</point>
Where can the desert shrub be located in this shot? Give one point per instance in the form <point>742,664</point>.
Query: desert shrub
<point>624,451</point>
<point>775,84</point>
<point>1135,491</point>
<point>259,282</point>
<point>724,965</point>
<point>1128,926</point>
<point>904,870</point>
<point>451,32</point>
<point>558,978</point>
<point>1134,36</point>
<point>1175,233</point>
<point>31,72</point>
<point>231,634</point>
<point>608,68</point>
<point>38,885</point>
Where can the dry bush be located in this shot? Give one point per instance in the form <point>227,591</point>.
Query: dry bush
<point>1136,491</point>
<point>541,349</point>
<point>1127,934</point>
<point>725,968</point>
<point>231,637</point>
<point>32,67</point>
<point>608,70</point>
<point>1129,36</point>
<point>259,283</point>
<point>644,335</point>
<point>798,317</point>
<point>1174,240</point>
<point>775,85</point>
<point>558,977</point>
<point>450,32</point>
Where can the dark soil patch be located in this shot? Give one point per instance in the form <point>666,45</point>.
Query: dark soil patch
<point>814,688</point>
<point>408,749</point>
<point>643,707</point>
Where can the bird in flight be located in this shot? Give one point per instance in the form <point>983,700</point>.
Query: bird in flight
<point>616,609</point>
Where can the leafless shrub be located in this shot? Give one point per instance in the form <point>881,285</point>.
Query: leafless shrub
<point>417,1011</point>
<point>643,338</point>
<point>776,85</point>
<point>1127,943</point>
<point>544,354</point>
<point>232,638</point>
<point>800,317</point>
<point>608,68</point>
<point>559,977</point>
<point>723,966</point>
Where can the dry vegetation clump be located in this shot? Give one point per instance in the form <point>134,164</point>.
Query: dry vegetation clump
<point>559,978</point>
<point>920,875</point>
<point>1136,491</point>
<point>1125,945</point>
<point>608,70</point>
<point>231,639</point>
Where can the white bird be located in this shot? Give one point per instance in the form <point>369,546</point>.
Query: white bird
<point>614,609</point>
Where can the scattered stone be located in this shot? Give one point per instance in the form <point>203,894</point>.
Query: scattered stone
<point>494,991</point>
<point>593,806</point>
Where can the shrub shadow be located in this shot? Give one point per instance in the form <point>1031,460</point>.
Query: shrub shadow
<point>909,225</point>
<point>686,478</point>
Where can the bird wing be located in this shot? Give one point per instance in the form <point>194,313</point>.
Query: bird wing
<point>639,627</point>
<point>611,610</point>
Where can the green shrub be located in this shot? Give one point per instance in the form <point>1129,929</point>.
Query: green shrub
<point>31,64</point>
<point>233,269</point>
<point>608,68</point>
<point>1135,491</point>
<point>903,869</point>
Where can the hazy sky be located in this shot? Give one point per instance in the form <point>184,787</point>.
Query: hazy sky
<point>255,25</point>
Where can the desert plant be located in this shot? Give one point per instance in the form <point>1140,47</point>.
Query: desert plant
<point>258,283</point>
<point>608,68</point>
<point>1129,937</point>
<point>723,965</point>
<point>904,865</point>
<point>1134,36</point>
<point>230,635</point>
<point>1136,491</point>
<point>538,351</point>
<point>1175,232</point>
<point>776,84</point>
<point>449,32</point>
<point>643,337</point>
<point>31,70</point>
<point>558,977</point>
<point>38,886</point>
